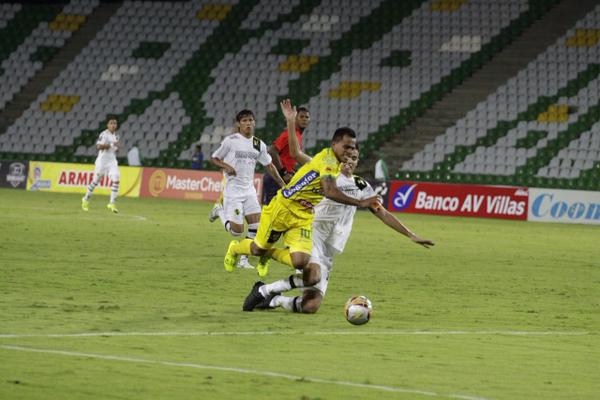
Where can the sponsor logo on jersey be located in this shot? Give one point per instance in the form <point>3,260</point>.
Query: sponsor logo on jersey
<point>246,154</point>
<point>301,184</point>
<point>349,190</point>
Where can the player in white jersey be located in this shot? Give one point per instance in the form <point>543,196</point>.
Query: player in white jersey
<point>237,156</point>
<point>106,164</point>
<point>331,229</point>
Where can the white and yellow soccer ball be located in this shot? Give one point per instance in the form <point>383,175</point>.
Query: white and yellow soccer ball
<point>358,310</point>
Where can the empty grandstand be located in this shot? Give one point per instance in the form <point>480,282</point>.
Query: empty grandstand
<point>174,73</point>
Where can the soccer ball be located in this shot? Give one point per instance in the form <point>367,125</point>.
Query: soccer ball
<point>358,310</point>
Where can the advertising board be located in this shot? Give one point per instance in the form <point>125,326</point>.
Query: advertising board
<point>186,184</point>
<point>75,178</point>
<point>565,206</point>
<point>458,200</point>
<point>13,173</point>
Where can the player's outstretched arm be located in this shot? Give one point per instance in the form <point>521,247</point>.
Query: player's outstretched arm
<point>272,170</point>
<point>390,220</point>
<point>331,191</point>
<point>290,113</point>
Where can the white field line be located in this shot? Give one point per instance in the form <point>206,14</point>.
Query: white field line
<point>77,208</point>
<point>317,333</point>
<point>270,374</point>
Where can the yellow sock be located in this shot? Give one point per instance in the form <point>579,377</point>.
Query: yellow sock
<point>283,256</point>
<point>243,247</point>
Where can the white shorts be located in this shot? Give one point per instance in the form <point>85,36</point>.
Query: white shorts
<point>323,235</point>
<point>236,207</point>
<point>110,169</point>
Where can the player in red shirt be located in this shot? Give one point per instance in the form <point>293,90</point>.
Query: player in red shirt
<point>280,153</point>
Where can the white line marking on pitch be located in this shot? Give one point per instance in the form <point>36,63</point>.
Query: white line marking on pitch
<point>241,371</point>
<point>126,216</point>
<point>323,333</point>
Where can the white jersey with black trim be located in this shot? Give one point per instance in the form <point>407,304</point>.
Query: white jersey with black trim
<point>109,155</point>
<point>343,214</point>
<point>242,153</point>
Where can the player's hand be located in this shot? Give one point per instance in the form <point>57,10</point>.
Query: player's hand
<point>423,242</point>
<point>289,112</point>
<point>229,170</point>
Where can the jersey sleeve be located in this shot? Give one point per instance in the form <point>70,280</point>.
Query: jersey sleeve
<point>282,141</point>
<point>222,151</point>
<point>102,139</point>
<point>263,156</point>
<point>367,192</point>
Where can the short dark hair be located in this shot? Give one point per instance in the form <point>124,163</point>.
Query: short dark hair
<point>341,132</point>
<point>243,114</point>
<point>302,109</point>
<point>111,117</point>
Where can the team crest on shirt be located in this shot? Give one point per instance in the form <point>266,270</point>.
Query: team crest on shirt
<point>360,182</point>
<point>237,212</point>
<point>256,143</point>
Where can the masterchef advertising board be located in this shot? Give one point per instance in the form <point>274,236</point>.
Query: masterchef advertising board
<point>459,200</point>
<point>186,184</point>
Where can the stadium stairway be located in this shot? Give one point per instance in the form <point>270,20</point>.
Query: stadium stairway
<point>59,62</point>
<point>505,64</point>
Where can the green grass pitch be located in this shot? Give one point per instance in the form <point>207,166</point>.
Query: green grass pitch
<point>138,306</point>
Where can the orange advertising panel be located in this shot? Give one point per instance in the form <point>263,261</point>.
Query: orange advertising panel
<point>186,184</point>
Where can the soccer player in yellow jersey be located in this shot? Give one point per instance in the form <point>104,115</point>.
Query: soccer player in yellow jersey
<point>290,214</point>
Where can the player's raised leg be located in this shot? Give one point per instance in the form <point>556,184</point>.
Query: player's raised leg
<point>300,245</point>
<point>315,273</point>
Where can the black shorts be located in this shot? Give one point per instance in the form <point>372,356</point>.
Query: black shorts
<point>270,188</point>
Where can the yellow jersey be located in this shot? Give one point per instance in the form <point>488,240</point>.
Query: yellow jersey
<point>304,192</point>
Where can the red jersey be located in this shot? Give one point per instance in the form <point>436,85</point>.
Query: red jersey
<point>281,144</point>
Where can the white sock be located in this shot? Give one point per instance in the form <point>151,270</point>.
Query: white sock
<point>221,215</point>
<point>227,226</point>
<point>252,229</point>
<point>114,191</point>
<point>92,186</point>
<point>282,285</point>
<point>293,304</point>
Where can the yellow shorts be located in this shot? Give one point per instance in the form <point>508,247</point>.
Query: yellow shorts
<point>277,220</point>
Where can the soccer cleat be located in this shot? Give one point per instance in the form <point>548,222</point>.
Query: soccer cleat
<point>243,263</point>
<point>230,259</point>
<point>85,204</point>
<point>214,213</point>
<point>254,298</point>
<point>112,207</point>
<point>266,303</point>
<point>263,266</point>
